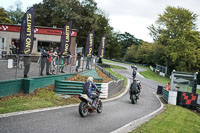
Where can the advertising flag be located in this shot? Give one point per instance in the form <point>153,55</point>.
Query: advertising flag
<point>89,44</point>
<point>27,32</point>
<point>102,47</point>
<point>66,38</point>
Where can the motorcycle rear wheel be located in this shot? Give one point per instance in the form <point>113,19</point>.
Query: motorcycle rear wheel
<point>83,109</point>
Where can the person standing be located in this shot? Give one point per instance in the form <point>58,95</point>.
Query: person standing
<point>27,64</point>
<point>13,49</point>
<point>53,62</point>
<point>60,62</point>
<point>88,62</point>
<point>49,61</point>
<point>44,60</point>
<point>78,60</point>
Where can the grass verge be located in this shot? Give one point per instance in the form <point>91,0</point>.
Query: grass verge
<point>153,76</point>
<point>42,98</point>
<point>174,119</point>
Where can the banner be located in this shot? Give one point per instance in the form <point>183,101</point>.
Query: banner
<point>102,47</point>
<point>66,38</point>
<point>89,44</point>
<point>27,32</point>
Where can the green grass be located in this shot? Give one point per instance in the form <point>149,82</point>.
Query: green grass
<point>105,60</point>
<point>117,67</point>
<point>42,99</point>
<point>153,76</point>
<point>174,119</point>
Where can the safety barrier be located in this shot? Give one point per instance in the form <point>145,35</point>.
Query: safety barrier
<point>107,73</point>
<point>170,96</point>
<point>76,87</point>
<point>28,85</point>
<point>165,95</point>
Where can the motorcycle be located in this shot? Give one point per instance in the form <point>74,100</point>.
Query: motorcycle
<point>134,92</point>
<point>135,87</point>
<point>86,107</point>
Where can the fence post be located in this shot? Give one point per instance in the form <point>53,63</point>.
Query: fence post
<point>17,64</point>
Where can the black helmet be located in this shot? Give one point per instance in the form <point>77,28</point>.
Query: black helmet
<point>134,67</point>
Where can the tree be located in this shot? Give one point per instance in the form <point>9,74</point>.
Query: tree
<point>176,30</point>
<point>15,13</point>
<point>85,16</point>
<point>4,17</point>
<point>126,40</point>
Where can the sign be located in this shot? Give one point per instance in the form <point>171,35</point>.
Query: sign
<point>102,47</point>
<point>89,44</point>
<point>27,32</point>
<point>66,39</point>
<point>37,30</point>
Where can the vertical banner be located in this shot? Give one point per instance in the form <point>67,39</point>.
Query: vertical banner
<point>89,44</point>
<point>27,32</point>
<point>66,38</point>
<point>102,47</point>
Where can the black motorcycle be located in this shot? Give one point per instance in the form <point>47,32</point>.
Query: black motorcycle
<point>86,107</point>
<point>135,87</point>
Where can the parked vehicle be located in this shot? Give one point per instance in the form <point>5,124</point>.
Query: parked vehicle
<point>86,107</point>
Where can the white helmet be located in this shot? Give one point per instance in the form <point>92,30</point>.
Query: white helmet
<point>90,79</point>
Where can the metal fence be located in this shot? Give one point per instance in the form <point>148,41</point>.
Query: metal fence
<point>16,66</point>
<point>107,73</point>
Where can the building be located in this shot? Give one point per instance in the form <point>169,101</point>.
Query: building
<point>44,37</point>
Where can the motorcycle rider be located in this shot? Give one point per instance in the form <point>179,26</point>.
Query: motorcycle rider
<point>87,89</point>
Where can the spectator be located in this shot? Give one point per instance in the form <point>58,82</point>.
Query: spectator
<point>78,61</point>
<point>13,49</point>
<point>49,62</point>
<point>27,64</point>
<point>60,62</point>
<point>168,86</point>
<point>88,62</point>
<point>44,61</point>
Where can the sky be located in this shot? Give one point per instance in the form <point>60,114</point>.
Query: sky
<point>132,16</point>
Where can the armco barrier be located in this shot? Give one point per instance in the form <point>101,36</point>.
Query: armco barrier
<point>165,95</point>
<point>170,96</point>
<point>107,73</point>
<point>29,85</point>
<point>71,87</point>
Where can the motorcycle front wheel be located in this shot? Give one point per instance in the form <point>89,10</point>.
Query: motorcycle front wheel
<point>133,99</point>
<point>83,109</point>
<point>100,107</point>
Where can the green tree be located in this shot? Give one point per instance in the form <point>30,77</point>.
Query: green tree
<point>4,17</point>
<point>85,15</point>
<point>15,13</point>
<point>176,30</point>
<point>126,40</point>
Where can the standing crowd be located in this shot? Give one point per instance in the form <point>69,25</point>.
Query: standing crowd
<point>52,59</point>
